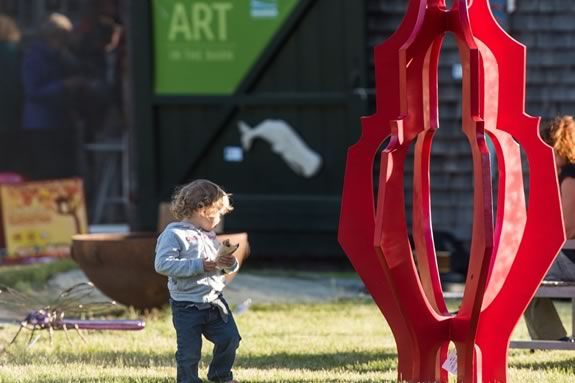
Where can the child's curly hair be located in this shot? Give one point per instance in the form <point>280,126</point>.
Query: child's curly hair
<point>197,195</point>
<point>560,134</point>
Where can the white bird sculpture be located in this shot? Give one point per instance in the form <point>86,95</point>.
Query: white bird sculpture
<point>284,141</point>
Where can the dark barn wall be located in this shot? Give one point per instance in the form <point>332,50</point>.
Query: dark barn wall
<point>321,81</point>
<point>307,77</point>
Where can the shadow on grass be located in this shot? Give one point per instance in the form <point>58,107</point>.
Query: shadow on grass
<point>567,365</point>
<point>99,358</point>
<point>99,379</point>
<point>364,361</point>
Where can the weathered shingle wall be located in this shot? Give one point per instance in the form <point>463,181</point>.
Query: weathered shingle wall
<point>546,27</point>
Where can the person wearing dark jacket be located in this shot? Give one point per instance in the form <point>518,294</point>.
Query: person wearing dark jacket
<point>50,77</point>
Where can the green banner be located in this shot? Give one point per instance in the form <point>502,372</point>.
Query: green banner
<point>209,46</point>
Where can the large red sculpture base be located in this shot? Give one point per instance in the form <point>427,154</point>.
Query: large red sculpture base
<point>510,251</point>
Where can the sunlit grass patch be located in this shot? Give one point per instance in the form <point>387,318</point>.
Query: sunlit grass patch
<point>347,341</point>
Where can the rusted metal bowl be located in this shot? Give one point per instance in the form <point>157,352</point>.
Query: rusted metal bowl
<point>122,265</point>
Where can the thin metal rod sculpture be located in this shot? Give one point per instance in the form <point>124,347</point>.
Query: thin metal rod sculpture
<point>62,313</point>
<point>510,253</point>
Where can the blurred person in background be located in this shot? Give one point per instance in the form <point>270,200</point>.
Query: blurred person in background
<point>543,321</point>
<point>97,49</point>
<point>10,74</point>
<point>51,77</point>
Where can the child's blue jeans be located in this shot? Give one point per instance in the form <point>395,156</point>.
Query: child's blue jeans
<point>190,323</point>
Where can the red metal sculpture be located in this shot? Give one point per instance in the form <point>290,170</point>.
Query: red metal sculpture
<point>509,254</point>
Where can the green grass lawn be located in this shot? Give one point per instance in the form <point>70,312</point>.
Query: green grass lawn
<point>34,276</point>
<point>331,342</point>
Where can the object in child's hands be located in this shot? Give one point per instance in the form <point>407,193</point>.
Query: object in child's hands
<point>227,248</point>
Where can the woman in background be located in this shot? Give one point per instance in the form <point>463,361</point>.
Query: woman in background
<point>543,321</point>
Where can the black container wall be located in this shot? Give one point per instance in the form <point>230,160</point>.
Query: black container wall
<point>305,80</point>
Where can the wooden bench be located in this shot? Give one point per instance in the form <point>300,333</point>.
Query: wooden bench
<point>552,289</point>
<point>547,289</point>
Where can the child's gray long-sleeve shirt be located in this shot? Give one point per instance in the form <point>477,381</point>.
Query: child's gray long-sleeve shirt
<point>180,253</point>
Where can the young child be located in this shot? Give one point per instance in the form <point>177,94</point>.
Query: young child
<point>187,252</point>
